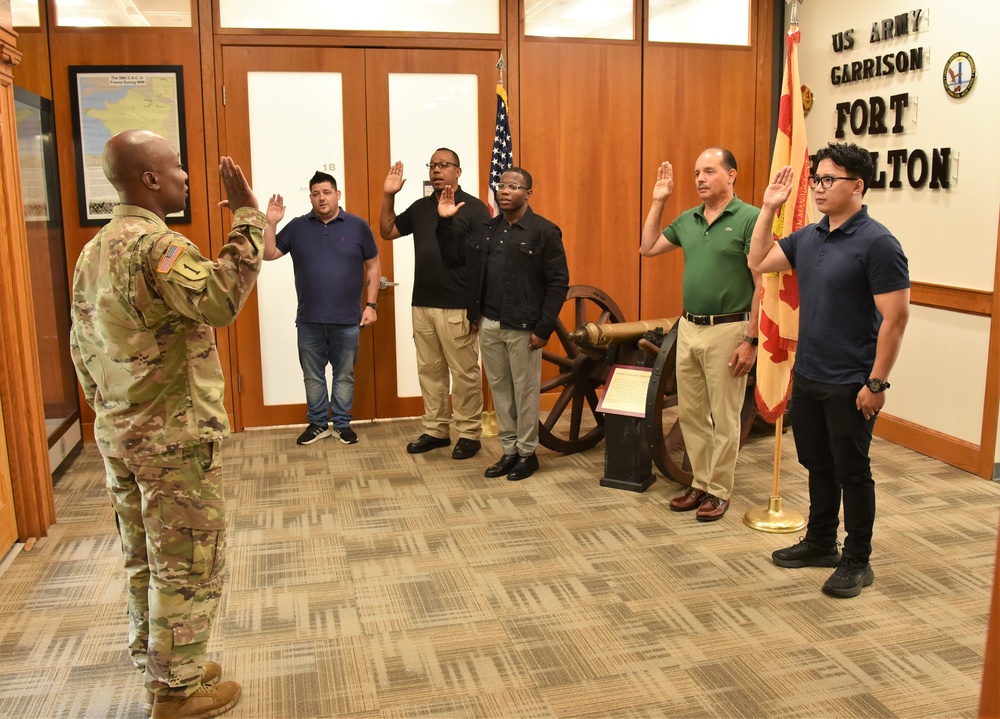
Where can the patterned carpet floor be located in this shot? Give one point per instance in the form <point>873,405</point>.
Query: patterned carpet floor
<point>368,583</point>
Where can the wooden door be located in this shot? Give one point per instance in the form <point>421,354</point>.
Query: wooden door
<point>431,128</point>
<point>8,522</point>
<point>302,155</point>
<point>368,116</point>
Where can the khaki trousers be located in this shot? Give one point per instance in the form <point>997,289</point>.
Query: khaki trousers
<point>709,400</point>
<point>514,372</point>
<point>446,345</point>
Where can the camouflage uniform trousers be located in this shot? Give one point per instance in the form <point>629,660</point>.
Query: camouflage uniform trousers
<point>171,518</point>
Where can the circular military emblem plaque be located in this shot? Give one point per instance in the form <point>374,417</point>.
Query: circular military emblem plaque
<point>959,74</point>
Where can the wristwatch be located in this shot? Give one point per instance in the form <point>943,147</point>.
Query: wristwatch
<point>752,341</point>
<point>876,385</point>
<point>373,305</point>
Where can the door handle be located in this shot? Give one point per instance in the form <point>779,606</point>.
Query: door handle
<point>386,282</point>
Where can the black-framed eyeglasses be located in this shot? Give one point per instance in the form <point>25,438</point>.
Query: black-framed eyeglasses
<point>826,180</point>
<point>440,165</point>
<point>512,186</point>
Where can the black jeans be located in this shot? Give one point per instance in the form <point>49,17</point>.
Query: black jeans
<point>832,438</point>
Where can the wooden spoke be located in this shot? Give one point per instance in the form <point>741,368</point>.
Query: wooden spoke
<point>578,376</point>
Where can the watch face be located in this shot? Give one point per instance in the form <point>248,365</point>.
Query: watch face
<point>874,385</point>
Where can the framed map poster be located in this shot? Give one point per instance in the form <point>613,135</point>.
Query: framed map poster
<point>109,99</point>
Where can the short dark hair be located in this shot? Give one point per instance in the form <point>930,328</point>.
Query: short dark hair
<point>522,172</point>
<point>857,161</point>
<point>728,158</point>
<point>319,178</point>
<point>453,154</point>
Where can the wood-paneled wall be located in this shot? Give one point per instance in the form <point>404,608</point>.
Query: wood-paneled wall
<point>20,382</point>
<point>127,46</point>
<point>580,127</point>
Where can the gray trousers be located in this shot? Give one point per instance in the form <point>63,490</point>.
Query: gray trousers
<point>514,372</point>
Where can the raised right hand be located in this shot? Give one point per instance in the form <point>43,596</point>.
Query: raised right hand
<point>238,192</point>
<point>777,193</point>
<point>275,210</point>
<point>394,181</point>
<point>664,186</point>
<point>446,202</point>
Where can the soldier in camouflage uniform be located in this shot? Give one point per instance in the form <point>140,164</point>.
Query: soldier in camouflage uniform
<point>145,302</point>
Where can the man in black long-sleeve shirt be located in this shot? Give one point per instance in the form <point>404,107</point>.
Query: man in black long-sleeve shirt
<point>514,300</point>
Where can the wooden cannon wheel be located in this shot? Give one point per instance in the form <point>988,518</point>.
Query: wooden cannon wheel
<point>662,427</point>
<point>578,375</point>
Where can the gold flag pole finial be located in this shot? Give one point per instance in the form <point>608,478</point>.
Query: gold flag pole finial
<point>501,66</point>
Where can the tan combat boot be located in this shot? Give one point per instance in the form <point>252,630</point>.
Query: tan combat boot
<point>209,700</point>
<point>211,673</point>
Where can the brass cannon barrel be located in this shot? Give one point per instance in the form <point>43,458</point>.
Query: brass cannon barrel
<point>595,335</point>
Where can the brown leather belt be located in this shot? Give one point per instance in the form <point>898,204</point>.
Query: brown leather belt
<point>717,319</point>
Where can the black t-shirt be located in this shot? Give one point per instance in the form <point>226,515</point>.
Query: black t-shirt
<point>434,285</point>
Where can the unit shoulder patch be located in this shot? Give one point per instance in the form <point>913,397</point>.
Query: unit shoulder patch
<point>178,264</point>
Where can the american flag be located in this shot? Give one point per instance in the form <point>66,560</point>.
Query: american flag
<point>503,150</point>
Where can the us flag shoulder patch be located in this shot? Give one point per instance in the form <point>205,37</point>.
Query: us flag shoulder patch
<point>170,257</point>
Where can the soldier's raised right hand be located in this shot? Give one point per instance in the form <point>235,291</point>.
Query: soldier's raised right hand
<point>238,192</point>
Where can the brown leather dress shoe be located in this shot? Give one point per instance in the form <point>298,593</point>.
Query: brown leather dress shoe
<point>691,499</point>
<point>712,508</point>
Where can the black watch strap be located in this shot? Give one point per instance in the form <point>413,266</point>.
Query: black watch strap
<point>876,385</point>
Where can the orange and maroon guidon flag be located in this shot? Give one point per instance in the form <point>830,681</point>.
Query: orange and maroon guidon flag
<point>779,298</point>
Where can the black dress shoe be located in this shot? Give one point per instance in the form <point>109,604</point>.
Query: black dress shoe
<point>466,448</point>
<point>523,468</point>
<point>502,466</point>
<point>425,443</point>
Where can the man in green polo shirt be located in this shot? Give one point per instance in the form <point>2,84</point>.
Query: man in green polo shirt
<point>717,334</point>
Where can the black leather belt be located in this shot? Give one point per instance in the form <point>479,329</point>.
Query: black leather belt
<point>717,319</point>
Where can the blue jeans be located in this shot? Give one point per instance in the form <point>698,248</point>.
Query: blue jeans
<point>832,438</point>
<point>320,345</point>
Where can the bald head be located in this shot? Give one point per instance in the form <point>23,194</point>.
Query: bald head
<point>145,169</point>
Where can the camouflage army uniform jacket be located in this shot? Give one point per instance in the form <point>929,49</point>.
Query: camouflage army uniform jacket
<point>145,302</point>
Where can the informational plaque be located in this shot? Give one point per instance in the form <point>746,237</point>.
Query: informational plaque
<point>625,391</point>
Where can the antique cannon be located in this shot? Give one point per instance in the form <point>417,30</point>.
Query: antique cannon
<point>590,351</point>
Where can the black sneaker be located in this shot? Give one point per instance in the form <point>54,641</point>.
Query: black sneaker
<point>346,434</point>
<point>313,432</point>
<point>850,577</point>
<point>806,554</point>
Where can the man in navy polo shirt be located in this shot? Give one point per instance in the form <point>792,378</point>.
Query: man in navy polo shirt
<point>334,257</point>
<point>854,302</point>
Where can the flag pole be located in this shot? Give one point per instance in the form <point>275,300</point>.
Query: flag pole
<point>490,425</point>
<point>774,518</point>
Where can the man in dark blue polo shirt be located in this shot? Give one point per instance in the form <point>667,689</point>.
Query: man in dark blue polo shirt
<point>334,257</point>
<point>854,302</point>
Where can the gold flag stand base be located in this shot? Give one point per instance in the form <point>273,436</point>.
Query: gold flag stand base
<point>490,426</point>
<point>773,519</point>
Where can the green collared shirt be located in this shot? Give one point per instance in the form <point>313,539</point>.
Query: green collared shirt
<point>717,279</point>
